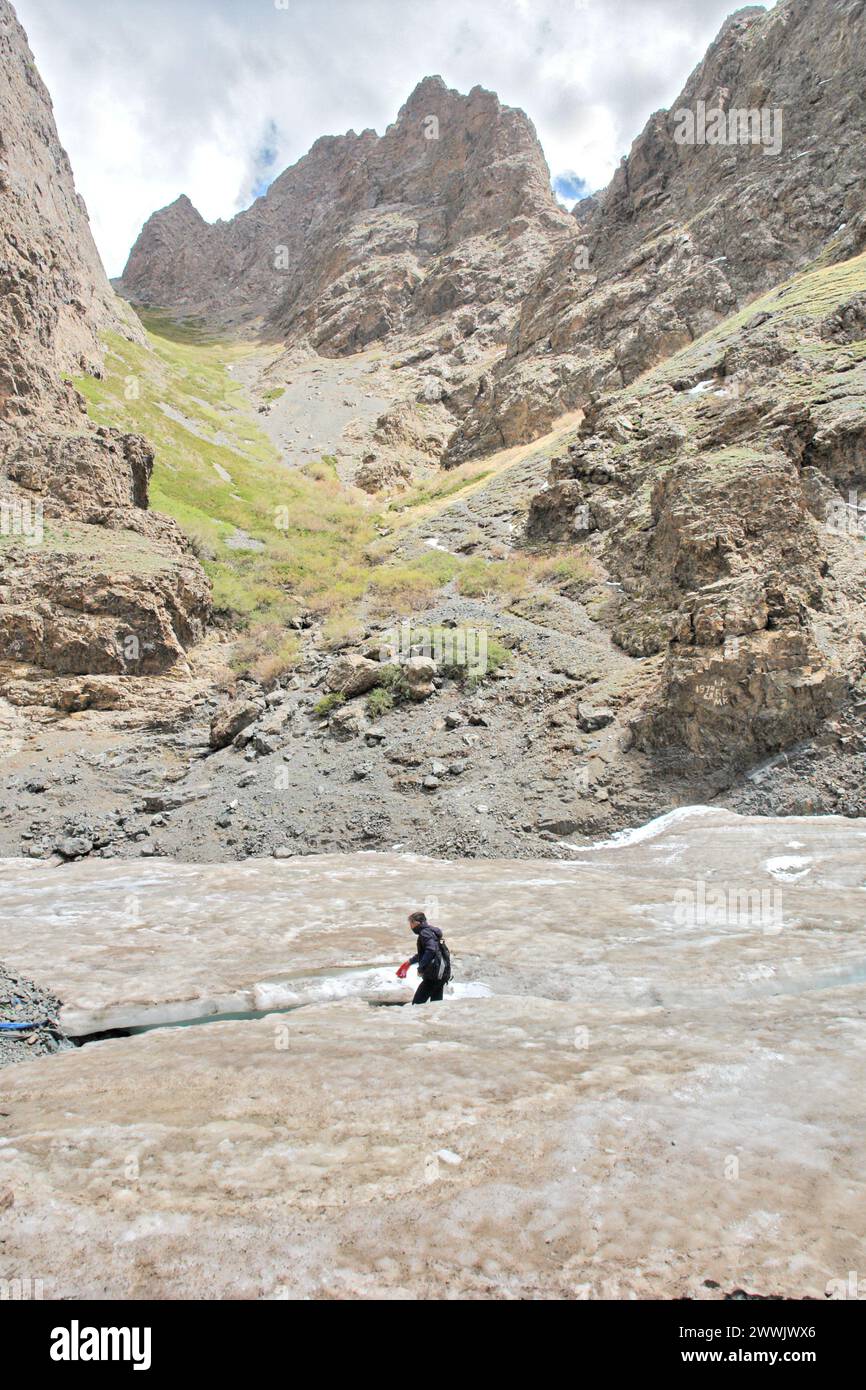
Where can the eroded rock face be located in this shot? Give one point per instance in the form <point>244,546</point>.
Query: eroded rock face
<point>90,581</point>
<point>54,296</point>
<point>449,211</point>
<point>535,1108</point>
<point>686,232</point>
<point>716,491</point>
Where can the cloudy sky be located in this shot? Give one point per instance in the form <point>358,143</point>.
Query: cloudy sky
<point>215,97</point>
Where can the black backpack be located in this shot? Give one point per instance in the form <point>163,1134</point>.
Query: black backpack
<point>442,964</point>
<point>439,969</point>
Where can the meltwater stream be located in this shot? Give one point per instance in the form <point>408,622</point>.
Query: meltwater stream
<point>698,903</point>
<point>647,1081</point>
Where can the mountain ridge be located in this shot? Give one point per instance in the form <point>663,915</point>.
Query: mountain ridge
<point>644,466</point>
<point>398,229</point>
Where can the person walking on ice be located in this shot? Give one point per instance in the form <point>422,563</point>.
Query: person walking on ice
<point>432,958</point>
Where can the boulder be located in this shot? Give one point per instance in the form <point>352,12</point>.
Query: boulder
<point>270,734</point>
<point>353,675</point>
<point>346,723</point>
<point>231,720</point>
<point>74,846</point>
<point>418,673</point>
<point>592,717</point>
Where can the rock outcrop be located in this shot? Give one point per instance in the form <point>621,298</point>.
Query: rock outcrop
<point>54,296</point>
<point>686,232</point>
<point>721,429</point>
<point>716,492</point>
<point>445,220</point>
<point>90,581</point>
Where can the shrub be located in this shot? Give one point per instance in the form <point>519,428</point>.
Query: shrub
<point>341,630</point>
<point>265,651</point>
<point>328,704</point>
<point>379,702</point>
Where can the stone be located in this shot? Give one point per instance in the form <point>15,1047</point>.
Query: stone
<point>74,846</point>
<point>346,723</point>
<point>418,673</point>
<point>352,675</point>
<point>173,800</point>
<point>266,741</point>
<point>592,717</point>
<point>234,718</point>
<point>558,826</point>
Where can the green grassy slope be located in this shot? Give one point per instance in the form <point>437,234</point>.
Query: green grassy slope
<point>218,475</point>
<point>316,541</point>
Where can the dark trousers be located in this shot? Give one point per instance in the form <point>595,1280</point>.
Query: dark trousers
<point>429,989</point>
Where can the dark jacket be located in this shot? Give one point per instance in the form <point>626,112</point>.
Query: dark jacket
<point>428,947</point>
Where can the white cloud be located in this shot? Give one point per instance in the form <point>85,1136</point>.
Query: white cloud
<point>155,98</point>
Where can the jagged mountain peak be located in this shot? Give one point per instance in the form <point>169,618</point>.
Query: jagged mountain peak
<point>689,228</point>
<point>368,235</point>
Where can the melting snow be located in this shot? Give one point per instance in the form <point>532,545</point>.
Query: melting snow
<point>648,831</point>
<point>789,870</point>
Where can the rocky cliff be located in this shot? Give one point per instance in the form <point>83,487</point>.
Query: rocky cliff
<point>708,209</point>
<point>681,600</point>
<point>368,237</point>
<point>90,581</point>
<point>721,493</point>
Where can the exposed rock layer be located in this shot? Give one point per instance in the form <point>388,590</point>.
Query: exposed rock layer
<point>687,232</point>
<point>716,493</point>
<point>62,481</point>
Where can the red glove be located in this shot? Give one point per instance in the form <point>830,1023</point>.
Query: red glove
<point>403,971</point>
